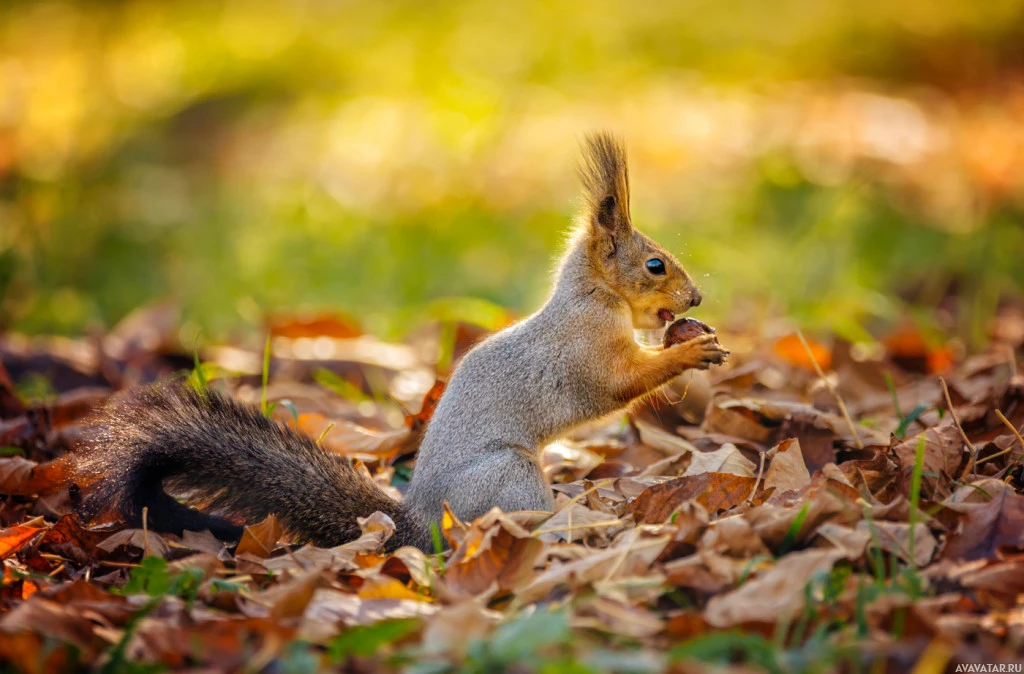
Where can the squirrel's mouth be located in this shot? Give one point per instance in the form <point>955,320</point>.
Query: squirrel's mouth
<point>666,315</point>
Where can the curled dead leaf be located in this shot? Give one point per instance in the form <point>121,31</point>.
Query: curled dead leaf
<point>259,540</point>
<point>988,527</point>
<point>492,551</point>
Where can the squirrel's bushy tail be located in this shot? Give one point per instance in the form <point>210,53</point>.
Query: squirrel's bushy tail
<point>229,458</point>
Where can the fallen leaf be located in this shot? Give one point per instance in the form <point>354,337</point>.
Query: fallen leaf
<point>775,595</point>
<point>350,439</point>
<point>726,459</point>
<point>577,522</point>
<point>12,538</point>
<point>417,422</point>
<point>289,600</point>
<point>147,541</point>
<point>492,551</point>
<point>792,350</point>
<point>331,326</point>
<point>455,627</point>
<point>68,539</point>
<point>330,606</point>
<point>987,528</point>
<point>714,491</point>
<point>851,541</point>
<point>21,477</point>
<point>631,555</point>
<point>894,537</point>
<point>944,456</point>
<point>787,470</point>
<point>734,418</point>
<point>259,540</point>
<point>383,587</point>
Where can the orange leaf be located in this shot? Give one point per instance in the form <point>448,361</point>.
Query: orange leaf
<point>792,351</point>
<point>13,538</point>
<point>384,587</point>
<point>430,401</point>
<point>260,539</point>
<point>21,477</point>
<point>908,346</point>
<point>324,325</point>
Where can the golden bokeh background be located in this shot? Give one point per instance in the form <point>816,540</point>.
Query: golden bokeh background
<point>848,165</point>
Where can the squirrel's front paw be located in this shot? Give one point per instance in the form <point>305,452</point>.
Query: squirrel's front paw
<point>701,352</point>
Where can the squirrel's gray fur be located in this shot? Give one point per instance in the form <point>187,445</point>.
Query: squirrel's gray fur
<point>572,361</point>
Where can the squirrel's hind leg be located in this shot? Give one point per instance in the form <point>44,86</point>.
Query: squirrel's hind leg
<point>509,478</point>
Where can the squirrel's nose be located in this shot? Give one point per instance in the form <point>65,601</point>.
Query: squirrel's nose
<point>695,298</point>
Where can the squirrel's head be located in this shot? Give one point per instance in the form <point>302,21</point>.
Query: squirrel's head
<point>645,275</point>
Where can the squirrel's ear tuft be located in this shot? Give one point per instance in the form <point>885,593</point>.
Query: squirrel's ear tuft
<point>605,177</point>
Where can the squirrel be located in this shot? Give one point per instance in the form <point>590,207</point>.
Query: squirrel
<point>573,361</point>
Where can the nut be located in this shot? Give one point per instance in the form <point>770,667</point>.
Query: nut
<point>686,329</point>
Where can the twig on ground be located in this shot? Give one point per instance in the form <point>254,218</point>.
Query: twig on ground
<point>832,390</point>
<point>760,472</point>
<point>1008,449</point>
<point>956,421</point>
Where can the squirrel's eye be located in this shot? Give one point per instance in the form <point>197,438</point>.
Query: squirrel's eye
<point>655,266</point>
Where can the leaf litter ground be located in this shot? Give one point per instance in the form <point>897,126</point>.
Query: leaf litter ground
<point>809,507</point>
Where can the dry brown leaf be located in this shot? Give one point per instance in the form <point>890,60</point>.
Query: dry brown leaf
<point>1002,578</point>
<point>944,456</point>
<point>10,404</point>
<point>289,600</point>
<point>418,421</point>
<point>375,531</point>
<point>329,606</point>
<point>577,522</point>
<point>737,419</point>
<point>204,541</point>
<point>667,443</point>
<point>986,528</point>
<point>894,537</point>
<point>714,491</point>
<point>670,466</point>
<point>21,477</point>
<point>787,470</point>
<point>59,622</point>
<point>493,551</point>
<point>775,595</point>
<point>259,540</point>
<point>455,627</point>
<point>147,541</point>
<point>631,555</point>
<point>726,459</point>
<point>218,645</point>
<point>68,539</point>
<point>733,536</point>
<point>822,501</point>
<point>849,540</point>
<point>350,439</point>
<point>332,326</point>
<point>620,618</point>
<point>566,461</point>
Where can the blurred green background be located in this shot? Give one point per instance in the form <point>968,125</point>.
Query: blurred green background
<point>846,164</point>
